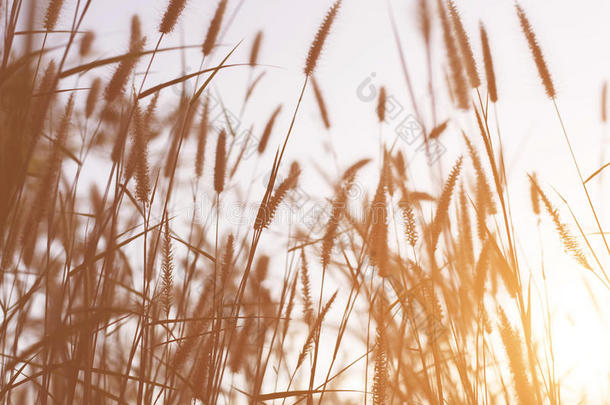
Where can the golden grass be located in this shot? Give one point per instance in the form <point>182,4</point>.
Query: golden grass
<point>387,294</point>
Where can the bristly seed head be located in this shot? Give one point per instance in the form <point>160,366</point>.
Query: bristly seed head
<point>85,43</point>
<point>318,43</point>
<point>543,70</point>
<point>381,102</point>
<point>321,103</point>
<point>490,74</point>
<point>455,63</point>
<point>201,139</point>
<point>214,29</point>
<point>256,46</point>
<point>268,129</point>
<point>221,163</point>
<point>465,48</point>
<point>170,18</point>
<point>92,97</point>
<point>52,14</point>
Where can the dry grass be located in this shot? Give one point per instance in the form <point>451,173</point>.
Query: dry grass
<point>107,296</point>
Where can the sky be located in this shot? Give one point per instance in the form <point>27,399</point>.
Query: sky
<point>362,44</point>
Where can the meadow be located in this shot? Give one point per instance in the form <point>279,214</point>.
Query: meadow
<point>162,242</point>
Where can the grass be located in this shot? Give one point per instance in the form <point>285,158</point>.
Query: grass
<point>393,295</point>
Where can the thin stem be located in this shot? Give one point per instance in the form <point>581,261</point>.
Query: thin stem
<point>565,134</point>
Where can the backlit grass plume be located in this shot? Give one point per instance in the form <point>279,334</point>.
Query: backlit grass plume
<point>464,44</point>
<point>214,28</point>
<point>278,196</point>
<point>532,42</point>
<point>221,163</point>
<point>409,223</point>
<point>167,272</point>
<point>117,83</point>
<point>466,245</point>
<point>93,96</point>
<point>570,243</point>
<point>202,139</point>
<point>490,74</point>
<point>381,104</point>
<point>321,103</point>
<point>338,208</point>
<point>514,352</point>
<point>314,329</point>
<point>306,290</point>
<point>171,15</point>
<point>442,207</point>
<point>484,195</point>
<point>262,144</point>
<point>381,374</point>
<point>52,14</point>
<point>86,43</point>
<point>140,147</point>
<point>423,11</point>
<point>455,62</point>
<point>256,46</point>
<point>534,195</point>
<point>318,43</point>
<point>378,217</point>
